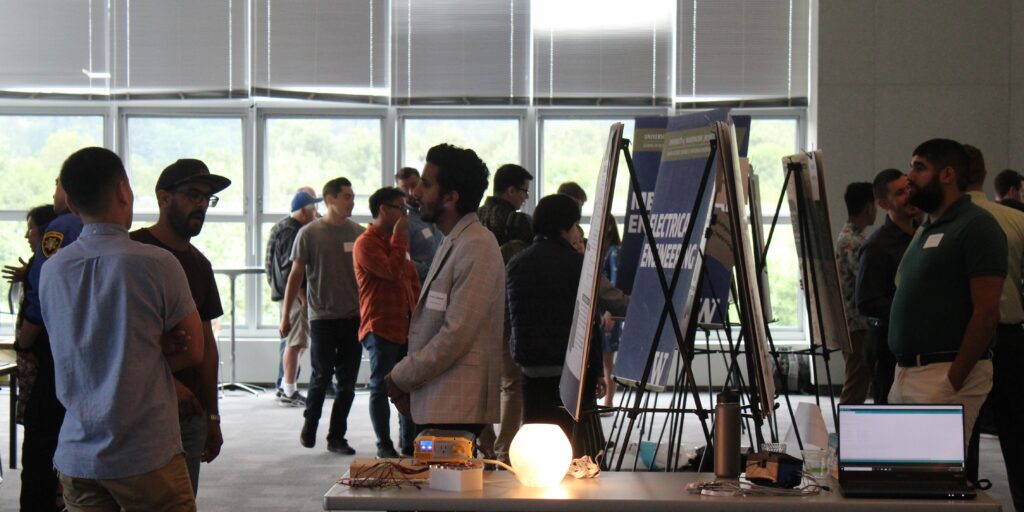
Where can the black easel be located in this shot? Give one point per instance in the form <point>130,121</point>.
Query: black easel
<point>683,342</point>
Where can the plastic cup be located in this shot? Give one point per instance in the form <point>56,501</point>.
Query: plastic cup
<point>815,462</point>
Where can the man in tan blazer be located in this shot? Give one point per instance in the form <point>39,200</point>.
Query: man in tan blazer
<point>451,377</point>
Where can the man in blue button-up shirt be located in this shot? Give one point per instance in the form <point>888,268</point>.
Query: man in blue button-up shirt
<point>424,237</point>
<point>107,301</point>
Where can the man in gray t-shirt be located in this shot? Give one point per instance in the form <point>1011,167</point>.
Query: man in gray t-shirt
<point>323,255</point>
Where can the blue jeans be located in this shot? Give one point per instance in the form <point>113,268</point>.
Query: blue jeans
<point>384,355</point>
<point>193,440</point>
<point>334,349</point>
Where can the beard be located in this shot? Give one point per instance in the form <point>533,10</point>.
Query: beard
<point>927,198</point>
<point>180,222</point>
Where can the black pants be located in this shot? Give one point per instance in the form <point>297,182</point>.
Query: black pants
<point>43,418</point>
<point>882,364</point>
<point>1008,405</point>
<point>334,350</point>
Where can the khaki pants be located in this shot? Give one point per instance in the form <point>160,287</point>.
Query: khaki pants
<point>857,378</point>
<point>166,489</point>
<point>928,385</point>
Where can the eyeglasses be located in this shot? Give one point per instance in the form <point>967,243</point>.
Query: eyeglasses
<point>400,208</point>
<point>198,197</point>
<point>526,190</point>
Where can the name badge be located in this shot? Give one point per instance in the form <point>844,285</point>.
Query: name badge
<point>427,233</point>
<point>933,241</point>
<point>437,301</point>
<point>349,246</point>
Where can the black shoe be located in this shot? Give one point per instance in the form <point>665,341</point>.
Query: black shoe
<point>340,446</point>
<point>308,435</point>
<point>387,453</point>
<point>407,452</point>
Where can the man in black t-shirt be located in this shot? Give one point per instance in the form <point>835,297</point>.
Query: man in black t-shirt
<point>184,191</point>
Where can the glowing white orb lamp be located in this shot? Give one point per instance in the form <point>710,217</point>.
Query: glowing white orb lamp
<point>540,454</point>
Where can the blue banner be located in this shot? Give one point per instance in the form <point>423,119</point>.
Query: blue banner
<point>648,136</point>
<point>685,156</point>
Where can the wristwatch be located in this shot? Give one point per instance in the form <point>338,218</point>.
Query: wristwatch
<point>214,417</point>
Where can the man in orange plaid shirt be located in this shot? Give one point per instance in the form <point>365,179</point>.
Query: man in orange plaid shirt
<point>388,290</point>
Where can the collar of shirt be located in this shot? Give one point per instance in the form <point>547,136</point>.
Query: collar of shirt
<point>100,229</point>
<point>950,213</point>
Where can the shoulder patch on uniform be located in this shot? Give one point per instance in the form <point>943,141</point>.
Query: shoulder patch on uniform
<point>51,242</point>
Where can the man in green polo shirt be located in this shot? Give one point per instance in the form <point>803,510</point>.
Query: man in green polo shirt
<point>946,308</point>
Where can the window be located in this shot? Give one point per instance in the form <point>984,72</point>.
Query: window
<point>32,149</point>
<point>312,151</point>
<point>572,150</point>
<point>496,141</point>
<point>771,139</point>
<point>154,143</point>
<point>308,151</point>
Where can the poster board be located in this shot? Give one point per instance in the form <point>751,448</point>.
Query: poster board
<point>576,355</point>
<point>685,155</point>
<point>808,208</point>
<point>752,317</point>
<point>648,138</point>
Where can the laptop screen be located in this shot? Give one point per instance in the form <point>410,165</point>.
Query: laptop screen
<point>888,438</point>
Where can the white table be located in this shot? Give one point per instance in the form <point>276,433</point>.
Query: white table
<point>617,492</point>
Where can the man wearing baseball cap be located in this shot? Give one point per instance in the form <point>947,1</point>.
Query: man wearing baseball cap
<point>278,262</point>
<point>184,191</point>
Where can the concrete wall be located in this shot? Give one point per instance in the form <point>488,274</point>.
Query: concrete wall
<point>894,73</point>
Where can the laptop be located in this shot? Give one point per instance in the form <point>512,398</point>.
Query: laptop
<point>902,451</point>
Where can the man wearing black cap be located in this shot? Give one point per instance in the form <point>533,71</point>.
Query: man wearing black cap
<point>184,191</point>
<point>278,264</point>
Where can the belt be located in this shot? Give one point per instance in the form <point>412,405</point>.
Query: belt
<point>933,357</point>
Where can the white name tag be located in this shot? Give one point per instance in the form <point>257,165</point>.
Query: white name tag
<point>349,246</point>
<point>933,241</point>
<point>437,301</point>
<point>427,233</point>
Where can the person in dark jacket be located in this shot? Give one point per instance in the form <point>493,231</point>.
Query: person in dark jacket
<point>541,284</point>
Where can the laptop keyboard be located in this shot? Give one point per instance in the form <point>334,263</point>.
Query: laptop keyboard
<point>935,490</point>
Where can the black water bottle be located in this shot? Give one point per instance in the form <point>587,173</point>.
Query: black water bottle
<point>727,435</point>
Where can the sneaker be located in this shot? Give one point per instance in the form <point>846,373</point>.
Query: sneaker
<point>340,446</point>
<point>387,453</point>
<point>295,400</point>
<point>280,393</point>
<point>308,435</point>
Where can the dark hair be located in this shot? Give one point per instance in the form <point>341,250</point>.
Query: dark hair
<point>510,175</point>
<point>976,169</point>
<point>611,232</point>
<point>942,153</point>
<point>573,190</point>
<point>89,177</point>
<point>858,195</point>
<point>406,172</point>
<point>460,170</point>
<point>554,214</point>
<point>333,188</point>
<point>382,196</point>
<point>882,181</point>
<point>1006,180</point>
<point>41,215</point>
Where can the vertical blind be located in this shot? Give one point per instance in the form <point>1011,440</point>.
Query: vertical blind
<point>505,52</point>
<point>742,49</point>
<point>603,51</point>
<point>323,49</point>
<point>187,48</point>
<point>47,48</point>
<point>461,51</point>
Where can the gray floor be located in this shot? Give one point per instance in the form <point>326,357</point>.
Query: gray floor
<point>263,468</point>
